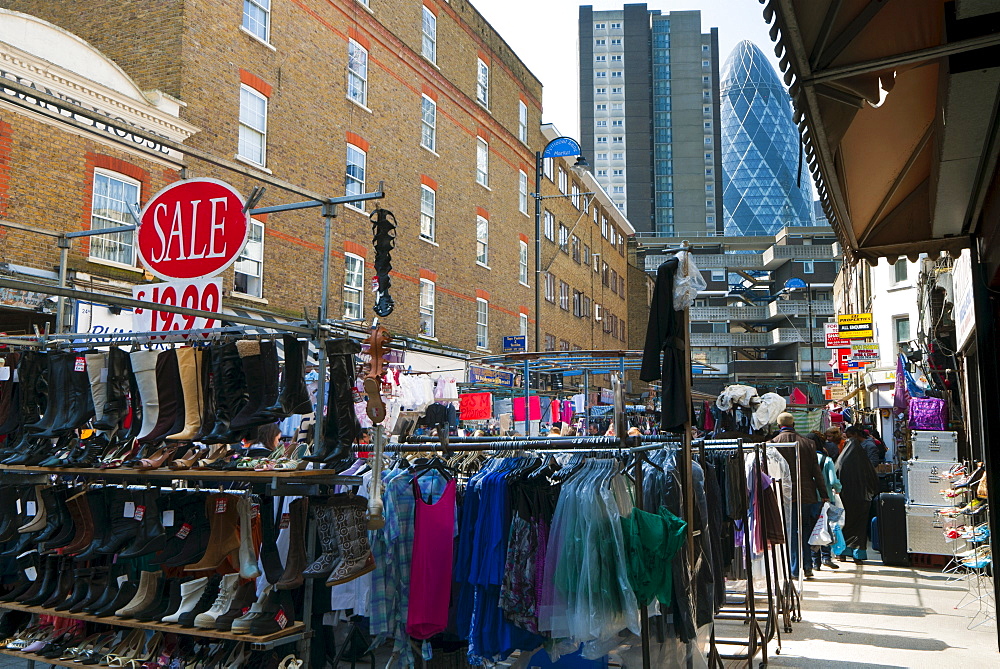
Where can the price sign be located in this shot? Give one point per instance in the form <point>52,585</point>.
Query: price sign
<point>203,294</point>
<point>476,406</point>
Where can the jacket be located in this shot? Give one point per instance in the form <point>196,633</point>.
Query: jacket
<point>665,336</point>
<point>811,478</point>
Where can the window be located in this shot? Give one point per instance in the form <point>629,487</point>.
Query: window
<point>602,156</point>
<point>522,322</point>
<point>616,26</point>
<point>428,123</point>
<point>563,181</point>
<point>482,162</point>
<point>522,192</point>
<point>602,140</point>
<point>550,287</point>
<point>617,123</point>
<point>616,58</point>
<point>600,59</point>
<point>563,238</point>
<point>250,263</point>
<point>253,126</point>
<point>616,42</point>
<point>550,226</point>
<point>428,212</point>
<point>705,63</point>
<point>900,269</point>
<point>601,107</point>
<point>616,74</point>
<point>482,323</point>
<point>600,42</point>
<point>574,244</point>
<point>113,193</point>
<point>522,121</point>
<point>522,262</point>
<point>585,258</point>
<point>602,173</point>
<point>618,190</point>
<point>618,173</point>
<point>550,342</point>
<point>575,190</point>
<point>600,26</point>
<point>902,328</point>
<point>718,275</point>
<point>585,308</point>
<point>427,296</point>
<point>600,91</point>
<point>600,75</point>
<point>614,282</point>
<point>482,240</point>
<point>563,345</point>
<point>708,125</point>
<point>354,283</point>
<point>617,106</point>
<point>564,296</point>
<point>617,156</point>
<point>621,286</point>
<point>602,124</point>
<point>482,83</point>
<point>808,267</point>
<point>719,327</point>
<point>619,139</point>
<point>430,29</point>
<point>355,178</point>
<point>617,90</point>
<point>357,73</point>
<point>605,274</point>
<point>257,18</point>
<point>577,303</point>
<point>704,48</point>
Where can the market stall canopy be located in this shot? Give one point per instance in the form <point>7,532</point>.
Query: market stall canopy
<point>896,101</point>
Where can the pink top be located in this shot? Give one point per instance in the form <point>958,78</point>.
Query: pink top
<point>430,570</point>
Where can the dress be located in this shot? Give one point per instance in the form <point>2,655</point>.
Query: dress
<point>665,335</point>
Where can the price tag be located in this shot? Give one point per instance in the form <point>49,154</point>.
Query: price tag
<point>244,610</point>
<point>80,365</point>
<point>168,518</point>
<point>203,294</point>
<point>140,512</point>
<point>220,505</point>
<point>31,508</point>
<point>5,373</point>
<point>122,579</point>
<point>31,574</point>
<point>281,619</point>
<point>286,520</point>
<point>129,510</point>
<point>184,531</point>
<point>104,374</point>
<point>254,510</point>
<point>17,504</point>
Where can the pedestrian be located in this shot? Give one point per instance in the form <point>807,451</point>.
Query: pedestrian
<point>867,443</point>
<point>859,484</point>
<point>835,442</point>
<point>823,556</point>
<point>808,489</point>
<point>555,430</point>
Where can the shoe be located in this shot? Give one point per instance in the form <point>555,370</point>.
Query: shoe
<point>341,428</point>
<point>170,397</point>
<point>150,536</point>
<point>149,589</point>
<point>191,594</point>
<point>277,613</point>
<point>258,383</point>
<point>329,549</point>
<point>241,624</point>
<point>293,398</point>
<point>270,559</point>
<point>223,600</point>
<point>248,552</point>
<point>240,604</point>
<point>808,573</point>
<point>97,366</point>
<point>356,559</point>
<point>295,562</point>
<point>189,367</point>
<point>223,520</point>
<point>204,603</point>
<point>830,564</point>
<point>116,405</point>
<point>230,392</point>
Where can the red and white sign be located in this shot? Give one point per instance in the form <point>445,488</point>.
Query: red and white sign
<point>203,294</point>
<point>192,229</point>
<point>833,338</point>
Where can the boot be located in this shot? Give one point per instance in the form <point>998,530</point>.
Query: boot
<point>75,403</point>
<point>148,591</point>
<point>241,602</point>
<point>205,368</point>
<point>356,557</point>
<point>169,395</point>
<point>223,519</point>
<point>124,595</point>
<point>54,499</point>
<point>252,359</point>
<point>269,396</point>
<point>10,418</point>
<point>194,534</point>
<point>96,586</point>
<point>116,404</point>
<point>168,603</point>
<point>100,510</point>
<point>150,536</point>
<point>341,428</point>
<point>65,448</point>
<point>227,591</point>
<point>189,365</point>
<point>294,395</point>
<point>277,613</point>
<point>78,511</point>
<point>248,554</point>
<point>241,625</point>
<point>88,451</point>
<point>144,368</point>
<point>123,528</point>
<point>97,367</point>
<point>54,405</point>
<point>191,592</point>
<point>48,582</point>
<point>204,603</point>
<point>32,374</point>
<point>230,392</point>
<point>329,549</point>
<point>185,507</point>
<point>62,591</point>
<point>38,515</point>
<point>135,400</point>
<point>270,559</point>
<point>9,517</point>
<point>296,561</point>
<point>27,567</point>
<point>108,595</point>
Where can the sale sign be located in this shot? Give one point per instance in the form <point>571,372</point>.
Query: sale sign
<point>192,229</point>
<point>203,294</point>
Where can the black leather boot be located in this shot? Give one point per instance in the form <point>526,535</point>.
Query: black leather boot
<point>23,583</point>
<point>8,511</point>
<point>43,569</point>
<point>252,357</point>
<point>342,428</point>
<point>55,377</point>
<point>54,499</point>
<point>271,374</point>
<point>63,589</point>
<point>50,582</point>
<point>75,403</point>
<point>123,530</point>
<point>150,536</point>
<point>126,591</point>
<point>193,533</point>
<point>108,595</point>
<point>95,587</point>
<point>170,396</point>
<point>207,393</point>
<point>294,395</point>
<point>116,404</point>
<point>230,392</point>
<point>269,556</point>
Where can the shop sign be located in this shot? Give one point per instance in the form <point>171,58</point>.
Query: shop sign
<point>834,377</point>
<point>192,229</point>
<point>475,406</point>
<point>864,351</point>
<point>833,338</point>
<point>493,377</point>
<point>965,316</point>
<point>203,294</point>
<point>855,326</point>
<point>22,299</point>
<point>515,344</point>
<point>837,392</point>
<point>607,396</point>
<point>100,319</point>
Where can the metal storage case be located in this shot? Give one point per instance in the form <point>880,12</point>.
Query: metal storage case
<point>925,530</point>
<point>923,483</point>
<point>936,445</point>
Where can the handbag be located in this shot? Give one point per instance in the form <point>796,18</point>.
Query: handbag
<point>928,413</point>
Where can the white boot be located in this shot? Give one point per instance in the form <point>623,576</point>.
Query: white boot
<point>144,368</point>
<point>191,592</point>
<point>227,589</point>
<point>96,364</point>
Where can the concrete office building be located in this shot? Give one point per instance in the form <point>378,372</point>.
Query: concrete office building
<point>649,116</point>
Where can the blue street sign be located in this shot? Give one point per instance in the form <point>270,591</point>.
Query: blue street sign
<point>515,344</point>
<point>795,283</point>
<point>560,147</point>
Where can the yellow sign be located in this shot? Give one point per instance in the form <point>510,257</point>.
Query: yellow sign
<point>855,326</point>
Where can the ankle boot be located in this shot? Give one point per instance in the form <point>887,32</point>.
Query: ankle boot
<point>270,373</point>
<point>169,395</point>
<point>294,394</point>
<point>61,453</point>
<point>170,601</point>
<point>36,511</point>
<point>123,527</point>
<point>194,534</point>
<point>124,595</point>
<point>97,367</point>
<point>76,526</point>
<point>241,625</point>
<point>341,429</point>
<point>185,509</point>
<point>150,536</point>
<point>356,557</point>
<point>144,369</point>
<point>108,595</point>
<point>49,581</point>
<point>227,590</point>
<point>248,553</point>
<point>329,549</point>
<point>241,602</point>
<point>27,567</point>
<point>230,392</point>
<point>208,595</point>
<point>277,613</point>
<point>223,520</point>
<point>270,559</point>
<point>64,586</point>
<point>191,593</point>
<point>149,589</point>
<point>188,364</point>
<point>9,517</point>
<point>54,499</point>
<point>116,403</point>
<point>253,370</point>
<point>95,588</point>
<point>296,561</point>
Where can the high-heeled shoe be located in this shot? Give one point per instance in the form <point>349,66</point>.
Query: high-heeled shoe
<point>157,459</point>
<point>101,651</point>
<point>216,453</point>
<point>129,649</point>
<point>141,653</point>
<point>189,460</point>
<point>71,653</point>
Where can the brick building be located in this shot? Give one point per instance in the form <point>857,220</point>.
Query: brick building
<point>333,96</point>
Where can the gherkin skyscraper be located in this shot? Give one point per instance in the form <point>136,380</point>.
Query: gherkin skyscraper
<point>760,149</point>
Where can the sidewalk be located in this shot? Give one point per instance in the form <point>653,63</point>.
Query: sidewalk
<point>883,618</point>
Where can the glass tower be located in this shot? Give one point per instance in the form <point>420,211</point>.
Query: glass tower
<point>760,149</point>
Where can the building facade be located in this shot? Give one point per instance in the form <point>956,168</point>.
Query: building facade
<point>335,98</point>
<point>766,187</point>
<point>649,116</point>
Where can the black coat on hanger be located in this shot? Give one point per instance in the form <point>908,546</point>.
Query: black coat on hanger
<point>665,334</point>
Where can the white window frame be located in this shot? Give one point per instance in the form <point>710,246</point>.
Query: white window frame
<point>428,29</point>
<point>522,322</point>
<point>575,195</point>
<point>428,123</point>
<point>522,192</point>
<point>354,285</point>
<point>428,212</point>
<point>808,267</point>
<point>428,298</point>
<point>482,83</point>
<point>357,73</point>
<point>522,262</point>
<point>119,240</point>
<point>482,162</point>
<point>549,227</point>
<point>252,253</point>
<point>522,121</point>
<point>252,128</point>
<point>482,241</point>
<point>482,323</point>
<point>563,181</point>
<point>353,178</point>
<point>252,24</point>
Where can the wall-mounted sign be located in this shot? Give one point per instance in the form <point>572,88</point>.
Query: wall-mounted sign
<point>203,294</point>
<point>192,229</point>
<point>864,351</point>
<point>834,377</point>
<point>494,377</point>
<point>515,344</point>
<point>833,338</point>
<point>855,326</point>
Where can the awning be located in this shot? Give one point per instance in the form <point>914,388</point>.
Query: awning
<point>896,102</point>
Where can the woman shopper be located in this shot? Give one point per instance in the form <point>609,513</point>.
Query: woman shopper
<point>860,483</point>
<point>824,556</point>
<point>834,442</point>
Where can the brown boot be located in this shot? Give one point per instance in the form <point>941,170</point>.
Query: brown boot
<point>356,557</point>
<point>188,362</point>
<point>296,562</point>
<point>224,538</point>
<point>83,521</point>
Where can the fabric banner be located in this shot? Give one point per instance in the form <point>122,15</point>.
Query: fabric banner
<point>475,406</point>
<point>535,408</point>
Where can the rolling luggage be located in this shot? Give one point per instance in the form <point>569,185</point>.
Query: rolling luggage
<point>891,514</point>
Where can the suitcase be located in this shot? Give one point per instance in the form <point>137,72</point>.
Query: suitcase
<point>923,481</point>
<point>891,515</point>
<point>936,445</point>
<point>925,529</point>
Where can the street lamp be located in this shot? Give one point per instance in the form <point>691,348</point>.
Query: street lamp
<point>798,284</point>
<point>560,147</point>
